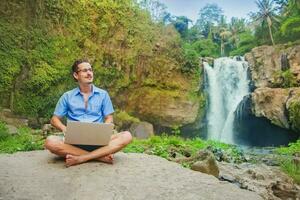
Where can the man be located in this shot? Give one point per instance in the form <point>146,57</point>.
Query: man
<point>90,104</point>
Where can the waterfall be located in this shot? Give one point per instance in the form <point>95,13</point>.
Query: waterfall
<point>227,84</point>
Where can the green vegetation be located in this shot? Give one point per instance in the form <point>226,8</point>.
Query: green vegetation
<point>285,79</point>
<point>167,146</point>
<point>288,165</point>
<point>292,148</point>
<point>123,120</point>
<point>294,115</point>
<point>39,41</point>
<point>24,140</point>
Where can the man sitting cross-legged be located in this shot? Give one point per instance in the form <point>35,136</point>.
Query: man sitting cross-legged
<point>89,104</point>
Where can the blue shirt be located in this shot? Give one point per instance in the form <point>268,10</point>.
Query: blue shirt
<point>71,104</point>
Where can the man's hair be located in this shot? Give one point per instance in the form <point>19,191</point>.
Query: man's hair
<point>78,62</point>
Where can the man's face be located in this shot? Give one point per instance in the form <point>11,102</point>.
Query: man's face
<point>84,73</point>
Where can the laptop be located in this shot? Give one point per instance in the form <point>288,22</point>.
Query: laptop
<point>87,133</point>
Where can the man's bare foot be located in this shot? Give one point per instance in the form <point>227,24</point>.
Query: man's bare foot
<point>73,160</point>
<point>107,159</point>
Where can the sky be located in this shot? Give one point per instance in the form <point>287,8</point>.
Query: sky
<point>190,8</point>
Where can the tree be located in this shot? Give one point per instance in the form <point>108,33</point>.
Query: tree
<point>181,24</point>
<point>157,10</point>
<point>236,27</point>
<point>266,15</point>
<point>209,15</point>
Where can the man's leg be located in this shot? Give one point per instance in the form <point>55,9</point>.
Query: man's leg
<point>118,142</point>
<point>56,145</point>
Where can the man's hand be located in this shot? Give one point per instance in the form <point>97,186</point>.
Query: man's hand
<point>109,119</point>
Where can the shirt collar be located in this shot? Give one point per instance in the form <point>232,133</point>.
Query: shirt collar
<point>94,90</point>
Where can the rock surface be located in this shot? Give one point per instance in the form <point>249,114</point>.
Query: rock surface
<point>160,107</point>
<point>8,117</point>
<point>207,165</point>
<point>39,175</point>
<point>269,182</point>
<point>273,104</point>
<point>142,130</point>
<point>265,61</point>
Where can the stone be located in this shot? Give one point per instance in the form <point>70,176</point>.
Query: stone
<point>268,181</point>
<point>48,129</point>
<point>207,165</point>
<point>142,130</point>
<point>12,129</point>
<point>9,118</point>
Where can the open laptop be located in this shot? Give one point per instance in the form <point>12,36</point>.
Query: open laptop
<point>86,133</point>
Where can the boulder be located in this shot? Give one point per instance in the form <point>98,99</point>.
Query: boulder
<point>269,182</point>
<point>207,165</point>
<point>270,103</point>
<point>8,117</point>
<point>274,104</point>
<point>48,129</point>
<point>12,129</point>
<point>142,130</point>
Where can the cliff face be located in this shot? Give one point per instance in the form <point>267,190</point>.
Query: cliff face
<point>163,107</point>
<point>267,61</point>
<point>276,104</point>
<point>274,70</point>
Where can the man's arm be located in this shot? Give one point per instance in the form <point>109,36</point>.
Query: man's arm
<point>109,119</point>
<point>56,122</point>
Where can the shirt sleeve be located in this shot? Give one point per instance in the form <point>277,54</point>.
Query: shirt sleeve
<point>107,107</point>
<point>61,106</point>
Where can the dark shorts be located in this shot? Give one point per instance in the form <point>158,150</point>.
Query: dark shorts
<point>84,147</point>
<point>87,147</point>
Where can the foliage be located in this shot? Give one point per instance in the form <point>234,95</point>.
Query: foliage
<point>292,148</point>
<point>266,15</point>
<point>181,24</point>
<point>287,163</point>
<point>206,48</point>
<point>294,115</point>
<point>123,120</point>
<point>292,169</point>
<point>165,146</point>
<point>156,9</point>
<point>285,79</point>
<point>209,15</point>
<point>23,141</point>
<point>40,41</point>
<point>3,131</point>
<point>290,28</point>
<point>245,44</point>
